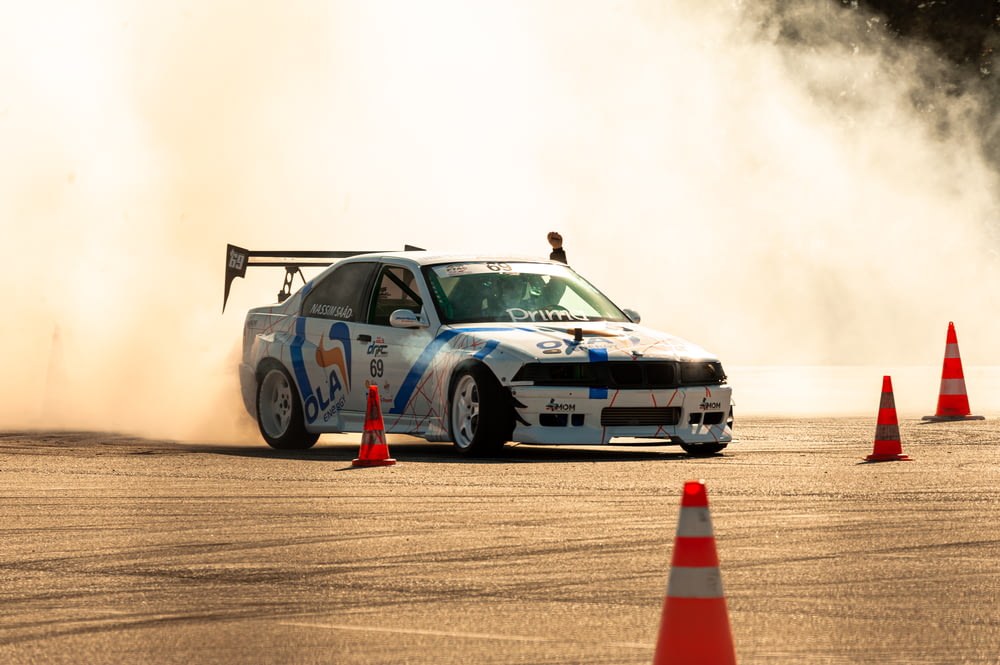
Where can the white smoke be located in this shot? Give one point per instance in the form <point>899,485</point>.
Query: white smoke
<point>777,204</point>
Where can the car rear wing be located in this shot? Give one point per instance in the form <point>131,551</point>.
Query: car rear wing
<point>239,259</point>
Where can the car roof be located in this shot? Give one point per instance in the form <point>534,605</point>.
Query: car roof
<point>426,258</point>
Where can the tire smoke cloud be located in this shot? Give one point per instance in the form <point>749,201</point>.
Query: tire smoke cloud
<point>780,204</point>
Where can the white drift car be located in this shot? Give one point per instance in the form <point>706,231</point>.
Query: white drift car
<point>471,349</point>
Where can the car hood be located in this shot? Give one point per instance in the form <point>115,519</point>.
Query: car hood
<point>610,340</point>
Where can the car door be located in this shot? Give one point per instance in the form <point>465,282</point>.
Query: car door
<point>333,309</point>
<point>391,358</point>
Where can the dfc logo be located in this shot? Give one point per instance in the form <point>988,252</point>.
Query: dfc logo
<point>333,354</point>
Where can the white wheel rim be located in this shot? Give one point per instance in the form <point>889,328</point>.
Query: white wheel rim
<point>465,411</point>
<point>275,404</point>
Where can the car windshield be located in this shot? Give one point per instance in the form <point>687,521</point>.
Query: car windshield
<point>516,292</point>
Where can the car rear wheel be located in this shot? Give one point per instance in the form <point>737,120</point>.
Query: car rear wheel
<point>481,417</point>
<point>279,411</point>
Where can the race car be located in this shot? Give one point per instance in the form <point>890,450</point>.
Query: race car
<point>476,350</point>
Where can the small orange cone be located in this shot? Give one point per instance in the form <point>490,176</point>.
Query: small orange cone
<point>887,444</point>
<point>694,629</point>
<point>953,402</point>
<point>374,449</point>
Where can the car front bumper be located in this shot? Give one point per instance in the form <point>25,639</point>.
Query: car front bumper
<point>551,415</point>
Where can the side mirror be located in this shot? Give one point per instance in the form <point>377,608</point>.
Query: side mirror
<point>632,315</point>
<point>404,318</point>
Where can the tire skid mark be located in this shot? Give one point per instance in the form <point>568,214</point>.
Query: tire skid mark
<point>115,624</point>
<point>467,635</point>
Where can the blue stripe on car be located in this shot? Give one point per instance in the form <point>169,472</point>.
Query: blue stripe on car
<point>486,350</point>
<point>341,332</point>
<point>298,364</point>
<point>598,356</point>
<point>427,355</point>
<point>418,369</point>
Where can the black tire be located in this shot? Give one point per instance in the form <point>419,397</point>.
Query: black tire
<point>703,449</point>
<point>279,410</point>
<point>480,412</point>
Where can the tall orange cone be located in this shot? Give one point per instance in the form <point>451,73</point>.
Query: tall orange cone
<point>374,450</point>
<point>953,402</point>
<point>694,629</point>
<point>887,443</point>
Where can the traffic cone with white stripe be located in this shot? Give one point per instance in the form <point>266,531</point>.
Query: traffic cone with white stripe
<point>374,450</point>
<point>887,443</point>
<point>953,402</point>
<point>694,629</point>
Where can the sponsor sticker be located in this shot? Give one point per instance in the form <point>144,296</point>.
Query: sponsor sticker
<point>332,311</point>
<point>327,399</point>
<point>237,259</point>
<point>520,314</point>
<point>378,348</point>
<point>494,267</point>
<point>706,405</point>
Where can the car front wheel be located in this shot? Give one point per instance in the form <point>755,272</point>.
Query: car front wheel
<point>481,417</point>
<point>279,410</point>
<point>703,449</point>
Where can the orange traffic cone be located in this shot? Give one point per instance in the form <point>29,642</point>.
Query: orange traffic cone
<point>694,629</point>
<point>953,402</point>
<point>887,444</point>
<point>374,449</point>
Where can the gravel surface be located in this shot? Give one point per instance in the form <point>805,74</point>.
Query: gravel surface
<point>119,549</point>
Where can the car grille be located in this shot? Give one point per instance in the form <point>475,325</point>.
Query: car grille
<point>627,374</point>
<point>640,416</point>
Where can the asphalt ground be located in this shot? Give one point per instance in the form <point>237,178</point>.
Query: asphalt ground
<point>119,549</point>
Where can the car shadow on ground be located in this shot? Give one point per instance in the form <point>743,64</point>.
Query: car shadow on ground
<point>445,453</point>
<point>338,449</point>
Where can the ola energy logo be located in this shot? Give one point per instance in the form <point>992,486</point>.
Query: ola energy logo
<point>325,400</point>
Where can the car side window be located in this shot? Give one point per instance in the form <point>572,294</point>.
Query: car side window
<point>341,295</point>
<point>395,289</point>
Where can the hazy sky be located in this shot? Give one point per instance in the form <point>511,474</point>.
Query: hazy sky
<point>777,207</point>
